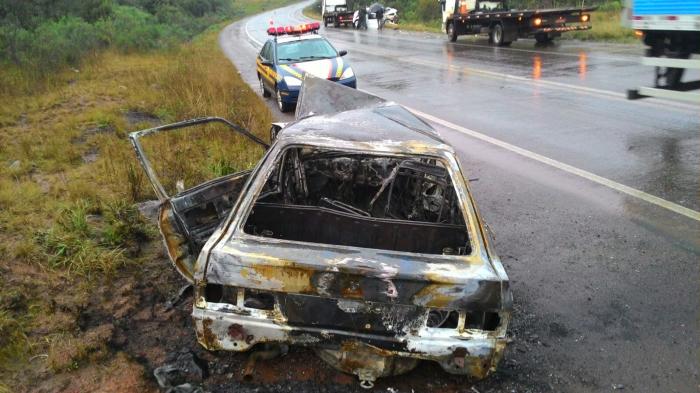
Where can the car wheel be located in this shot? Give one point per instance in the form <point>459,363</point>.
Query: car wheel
<point>263,90</point>
<point>543,38</point>
<point>451,32</point>
<point>497,34</point>
<point>284,107</point>
<point>274,130</point>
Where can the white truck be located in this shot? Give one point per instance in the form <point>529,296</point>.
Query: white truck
<point>671,31</point>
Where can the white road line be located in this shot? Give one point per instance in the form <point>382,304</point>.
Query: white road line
<point>250,36</point>
<point>674,207</point>
<point>537,82</point>
<point>633,192</point>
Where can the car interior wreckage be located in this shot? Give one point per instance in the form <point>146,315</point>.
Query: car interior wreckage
<point>356,234</point>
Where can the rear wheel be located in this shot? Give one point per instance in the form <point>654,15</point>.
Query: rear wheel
<point>274,130</point>
<point>497,36</point>
<point>452,32</point>
<point>543,38</point>
<point>284,106</point>
<point>263,90</point>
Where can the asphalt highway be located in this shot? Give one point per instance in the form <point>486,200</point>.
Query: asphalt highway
<point>594,199</point>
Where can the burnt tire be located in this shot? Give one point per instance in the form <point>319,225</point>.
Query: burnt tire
<point>452,32</point>
<point>274,130</point>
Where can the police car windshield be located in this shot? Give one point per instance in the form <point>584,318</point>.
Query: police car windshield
<point>304,50</point>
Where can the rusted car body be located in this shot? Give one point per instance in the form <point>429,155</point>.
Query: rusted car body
<point>355,234</point>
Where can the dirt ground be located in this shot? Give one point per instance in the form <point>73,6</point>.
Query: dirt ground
<point>132,315</point>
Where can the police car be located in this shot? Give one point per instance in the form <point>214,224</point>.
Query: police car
<point>289,54</point>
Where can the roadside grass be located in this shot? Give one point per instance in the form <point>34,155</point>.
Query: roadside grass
<point>69,180</point>
<point>313,11</point>
<point>606,27</point>
<point>434,27</point>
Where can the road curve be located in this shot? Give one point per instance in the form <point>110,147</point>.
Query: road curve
<point>605,280</point>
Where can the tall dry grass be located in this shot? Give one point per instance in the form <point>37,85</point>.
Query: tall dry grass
<point>69,177</point>
<point>606,27</point>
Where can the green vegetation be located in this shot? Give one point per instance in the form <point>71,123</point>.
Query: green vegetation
<point>75,78</point>
<point>425,15</point>
<point>313,11</point>
<point>606,27</point>
<point>42,37</point>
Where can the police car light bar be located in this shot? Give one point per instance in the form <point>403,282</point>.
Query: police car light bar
<point>291,30</point>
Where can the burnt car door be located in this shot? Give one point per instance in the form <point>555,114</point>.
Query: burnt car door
<point>189,217</point>
<point>266,61</point>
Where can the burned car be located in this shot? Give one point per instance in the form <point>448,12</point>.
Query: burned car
<point>355,234</point>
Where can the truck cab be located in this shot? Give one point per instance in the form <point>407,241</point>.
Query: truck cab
<point>335,12</point>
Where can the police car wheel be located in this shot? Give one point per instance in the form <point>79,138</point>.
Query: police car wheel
<point>284,107</point>
<point>263,90</point>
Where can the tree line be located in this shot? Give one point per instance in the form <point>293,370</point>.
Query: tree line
<point>46,34</point>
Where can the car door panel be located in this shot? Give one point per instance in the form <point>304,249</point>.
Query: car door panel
<point>186,220</point>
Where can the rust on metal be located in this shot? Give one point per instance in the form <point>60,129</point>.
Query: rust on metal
<point>356,234</point>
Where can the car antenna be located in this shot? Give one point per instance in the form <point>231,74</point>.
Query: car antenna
<point>272,25</point>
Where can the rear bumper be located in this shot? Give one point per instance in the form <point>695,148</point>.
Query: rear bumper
<point>561,29</point>
<point>475,353</point>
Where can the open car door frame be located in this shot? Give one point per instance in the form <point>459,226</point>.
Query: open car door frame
<point>187,219</point>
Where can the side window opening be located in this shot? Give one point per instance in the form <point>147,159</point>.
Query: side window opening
<point>344,198</point>
<point>266,52</point>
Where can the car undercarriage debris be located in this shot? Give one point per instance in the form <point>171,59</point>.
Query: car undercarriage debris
<point>356,234</point>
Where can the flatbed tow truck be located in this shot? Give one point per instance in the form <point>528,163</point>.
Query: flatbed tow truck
<point>335,12</point>
<point>505,25</point>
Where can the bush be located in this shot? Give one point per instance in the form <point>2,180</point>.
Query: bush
<point>47,36</point>
<point>66,41</point>
<point>131,29</point>
<point>428,10</point>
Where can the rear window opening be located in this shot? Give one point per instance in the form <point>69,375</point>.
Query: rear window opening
<point>351,199</point>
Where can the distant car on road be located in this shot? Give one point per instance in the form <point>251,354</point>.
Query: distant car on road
<point>289,54</point>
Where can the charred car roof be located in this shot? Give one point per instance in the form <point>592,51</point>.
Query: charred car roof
<point>330,114</point>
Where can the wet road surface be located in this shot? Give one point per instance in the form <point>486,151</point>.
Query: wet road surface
<point>606,282</point>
